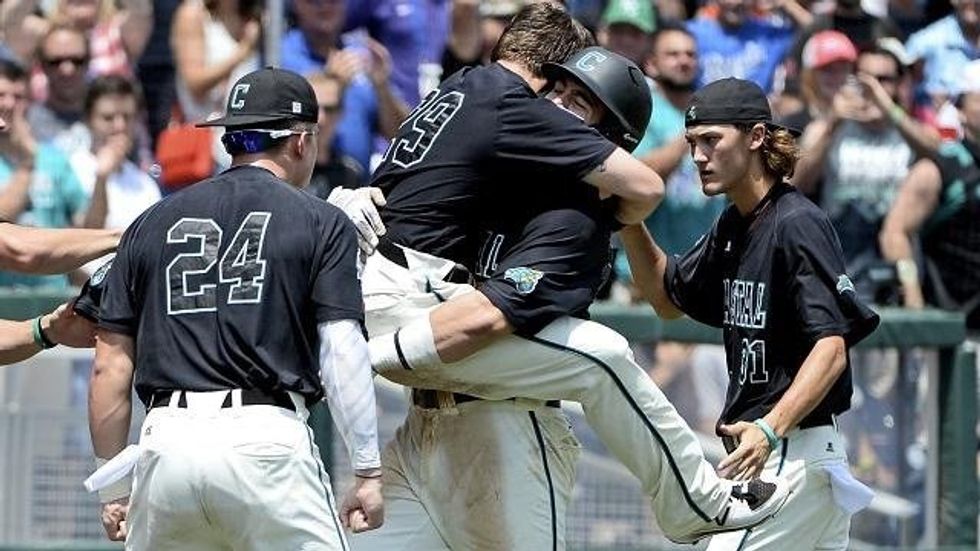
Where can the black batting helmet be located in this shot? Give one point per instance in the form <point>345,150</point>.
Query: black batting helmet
<point>620,86</point>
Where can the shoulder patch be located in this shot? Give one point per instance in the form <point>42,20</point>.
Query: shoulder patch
<point>524,279</point>
<point>100,274</point>
<point>844,284</point>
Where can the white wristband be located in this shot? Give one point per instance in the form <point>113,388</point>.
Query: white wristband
<point>117,490</point>
<point>413,346</point>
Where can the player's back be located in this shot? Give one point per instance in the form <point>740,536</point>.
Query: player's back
<point>227,288</point>
<point>460,154</point>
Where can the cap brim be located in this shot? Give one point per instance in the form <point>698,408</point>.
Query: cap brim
<point>241,120</point>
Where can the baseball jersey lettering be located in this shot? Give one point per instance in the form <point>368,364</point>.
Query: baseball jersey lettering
<point>497,151</point>
<point>233,300</point>
<point>786,248</point>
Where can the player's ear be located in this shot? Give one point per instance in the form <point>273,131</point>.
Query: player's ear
<point>757,135</point>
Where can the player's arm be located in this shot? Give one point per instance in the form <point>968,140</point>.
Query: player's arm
<point>640,189</point>
<point>52,251</point>
<point>109,410</point>
<point>20,340</point>
<point>916,200</point>
<point>345,372</point>
<point>648,265</point>
<point>821,369</point>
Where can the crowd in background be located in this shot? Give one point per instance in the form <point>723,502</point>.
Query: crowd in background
<point>886,94</point>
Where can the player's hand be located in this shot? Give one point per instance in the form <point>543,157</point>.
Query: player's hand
<point>64,326</point>
<point>111,155</point>
<point>345,64</point>
<point>114,518</point>
<point>361,206</point>
<point>363,507</point>
<point>749,458</point>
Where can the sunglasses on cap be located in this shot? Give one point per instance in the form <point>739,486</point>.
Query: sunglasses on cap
<point>238,142</point>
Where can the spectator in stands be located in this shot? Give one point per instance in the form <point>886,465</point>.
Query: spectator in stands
<point>116,36</point>
<point>37,185</point>
<point>63,55</point>
<point>939,205</point>
<point>627,26</point>
<point>118,190</point>
<point>827,64</point>
<point>371,105</point>
<point>944,48</point>
<point>410,30</point>
<point>738,44</point>
<point>857,157</point>
<point>850,19</point>
<point>156,71</point>
<point>686,211</point>
<point>475,28</point>
<point>333,168</point>
<point>214,42</point>
<point>46,251</point>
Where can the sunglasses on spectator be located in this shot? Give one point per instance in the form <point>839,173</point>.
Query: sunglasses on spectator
<point>77,61</point>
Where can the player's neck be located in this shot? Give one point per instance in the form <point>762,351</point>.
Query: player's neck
<point>261,162</point>
<point>536,83</point>
<point>750,192</point>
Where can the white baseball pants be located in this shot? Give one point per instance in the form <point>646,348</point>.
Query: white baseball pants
<point>484,475</point>
<point>241,477</point>
<point>810,519</point>
<point>570,359</point>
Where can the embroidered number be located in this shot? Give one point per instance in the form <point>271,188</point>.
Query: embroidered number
<point>486,263</point>
<point>424,126</point>
<point>753,362</point>
<point>190,276</point>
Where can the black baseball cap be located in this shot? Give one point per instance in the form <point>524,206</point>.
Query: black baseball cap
<point>731,101</point>
<point>267,96</point>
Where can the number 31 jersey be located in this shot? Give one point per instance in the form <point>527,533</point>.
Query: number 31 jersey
<point>774,280</point>
<point>222,285</point>
<point>475,148</point>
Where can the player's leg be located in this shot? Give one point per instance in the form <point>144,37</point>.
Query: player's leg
<point>586,362</point>
<point>408,525</point>
<point>810,519</point>
<point>269,489</point>
<point>165,512</point>
<point>498,475</point>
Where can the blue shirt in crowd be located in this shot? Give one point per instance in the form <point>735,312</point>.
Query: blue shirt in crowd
<point>401,26</point>
<point>751,51</point>
<point>945,51</point>
<point>357,124</point>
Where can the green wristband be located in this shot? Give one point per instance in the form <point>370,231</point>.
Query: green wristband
<point>767,430</point>
<point>39,338</point>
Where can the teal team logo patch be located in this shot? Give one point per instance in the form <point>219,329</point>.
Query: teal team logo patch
<point>99,275</point>
<point>524,279</point>
<point>844,284</point>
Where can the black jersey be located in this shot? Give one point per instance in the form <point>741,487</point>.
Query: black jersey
<point>775,281</point>
<point>473,148</point>
<point>548,258</point>
<point>223,284</point>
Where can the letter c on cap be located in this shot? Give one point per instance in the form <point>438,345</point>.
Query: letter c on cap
<point>590,60</point>
<point>238,96</point>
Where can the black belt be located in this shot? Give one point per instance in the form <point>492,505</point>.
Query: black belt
<point>250,397</point>
<point>817,421</point>
<point>396,254</point>
<point>429,399</point>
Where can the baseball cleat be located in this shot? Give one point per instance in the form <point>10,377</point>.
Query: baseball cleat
<point>750,504</point>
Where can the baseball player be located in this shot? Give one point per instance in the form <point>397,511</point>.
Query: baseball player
<point>239,301</point>
<point>514,469</point>
<point>771,273</point>
<point>437,175</point>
